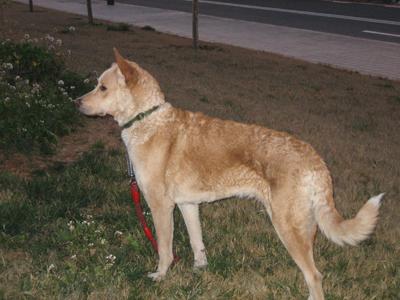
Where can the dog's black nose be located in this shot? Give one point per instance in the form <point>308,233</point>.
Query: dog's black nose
<point>78,102</point>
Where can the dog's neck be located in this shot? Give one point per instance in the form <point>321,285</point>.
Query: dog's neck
<point>128,111</point>
<point>141,131</point>
<point>140,116</point>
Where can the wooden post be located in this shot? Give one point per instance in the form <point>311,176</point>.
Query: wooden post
<point>31,5</point>
<point>89,9</point>
<point>195,27</point>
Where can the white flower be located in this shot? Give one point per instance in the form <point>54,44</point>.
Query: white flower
<point>91,245</point>
<point>17,78</point>
<point>71,28</point>
<point>35,88</point>
<point>72,87</point>
<point>51,267</point>
<point>73,256</point>
<point>60,82</point>
<point>8,66</point>
<point>102,241</point>
<point>110,259</point>
<point>27,103</point>
<point>27,36</point>
<point>58,42</point>
<point>87,80</point>
<point>118,233</point>
<point>71,225</point>
<point>6,99</point>
<point>49,37</point>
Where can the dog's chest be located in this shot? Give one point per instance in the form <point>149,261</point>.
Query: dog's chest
<point>152,170</point>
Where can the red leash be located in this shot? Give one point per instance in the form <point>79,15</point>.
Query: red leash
<point>139,213</point>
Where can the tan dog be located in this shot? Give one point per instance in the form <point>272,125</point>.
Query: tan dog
<point>186,158</point>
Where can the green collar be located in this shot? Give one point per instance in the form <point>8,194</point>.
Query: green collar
<point>140,116</point>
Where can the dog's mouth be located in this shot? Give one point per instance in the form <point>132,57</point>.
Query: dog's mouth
<point>83,110</point>
<point>94,116</point>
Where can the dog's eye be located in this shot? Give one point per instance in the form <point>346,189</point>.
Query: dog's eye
<point>103,88</point>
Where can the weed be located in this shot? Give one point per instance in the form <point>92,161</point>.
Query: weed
<point>386,85</point>
<point>69,29</point>
<point>211,48</point>
<point>363,124</point>
<point>396,99</point>
<point>148,28</point>
<point>118,27</point>
<point>204,99</point>
<point>229,103</point>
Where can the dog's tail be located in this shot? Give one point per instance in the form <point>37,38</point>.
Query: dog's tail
<point>350,231</point>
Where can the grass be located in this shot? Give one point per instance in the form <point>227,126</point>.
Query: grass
<point>74,233</point>
<point>60,224</point>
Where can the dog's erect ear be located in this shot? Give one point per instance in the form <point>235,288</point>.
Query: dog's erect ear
<point>130,73</point>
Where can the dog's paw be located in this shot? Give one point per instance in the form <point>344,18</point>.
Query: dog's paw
<point>156,276</point>
<point>199,265</point>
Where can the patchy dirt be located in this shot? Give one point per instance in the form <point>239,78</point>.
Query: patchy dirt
<point>104,130</point>
<point>69,148</point>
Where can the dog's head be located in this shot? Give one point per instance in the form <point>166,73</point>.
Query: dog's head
<point>123,91</point>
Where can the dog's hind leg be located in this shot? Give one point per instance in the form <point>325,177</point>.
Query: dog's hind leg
<point>190,213</point>
<point>297,234</point>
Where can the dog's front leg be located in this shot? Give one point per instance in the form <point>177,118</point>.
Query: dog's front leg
<point>164,224</point>
<point>190,213</point>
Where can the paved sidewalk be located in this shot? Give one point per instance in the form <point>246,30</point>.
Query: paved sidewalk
<point>365,56</point>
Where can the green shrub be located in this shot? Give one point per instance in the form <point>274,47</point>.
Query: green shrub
<point>30,61</point>
<point>36,93</point>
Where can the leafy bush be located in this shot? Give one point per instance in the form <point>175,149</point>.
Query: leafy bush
<point>36,93</point>
<point>30,61</point>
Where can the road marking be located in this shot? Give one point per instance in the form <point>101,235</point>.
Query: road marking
<point>364,3</point>
<point>300,12</point>
<point>381,33</point>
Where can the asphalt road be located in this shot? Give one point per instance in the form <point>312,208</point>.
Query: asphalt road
<point>376,22</point>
